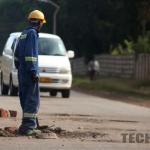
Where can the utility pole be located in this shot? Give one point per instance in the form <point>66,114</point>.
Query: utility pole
<point>57,7</point>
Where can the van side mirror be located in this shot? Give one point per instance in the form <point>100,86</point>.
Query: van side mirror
<point>70,53</point>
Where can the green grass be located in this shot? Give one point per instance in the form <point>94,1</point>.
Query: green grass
<point>114,85</point>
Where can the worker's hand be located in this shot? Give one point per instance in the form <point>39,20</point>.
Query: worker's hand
<point>35,77</point>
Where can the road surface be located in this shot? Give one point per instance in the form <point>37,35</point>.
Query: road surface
<point>90,123</point>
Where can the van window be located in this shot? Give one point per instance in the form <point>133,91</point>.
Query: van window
<point>13,44</point>
<point>51,46</point>
<point>8,46</point>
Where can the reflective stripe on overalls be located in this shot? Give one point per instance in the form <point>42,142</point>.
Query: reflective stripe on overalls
<point>29,115</point>
<point>28,58</point>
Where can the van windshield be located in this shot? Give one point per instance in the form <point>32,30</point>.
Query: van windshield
<point>51,46</point>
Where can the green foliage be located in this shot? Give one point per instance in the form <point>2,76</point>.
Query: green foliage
<point>93,25</point>
<point>143,44</point>
<point>89,27</point>
<point>127,48</point>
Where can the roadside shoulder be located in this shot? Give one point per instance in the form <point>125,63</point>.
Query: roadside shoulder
<point>116,97</point>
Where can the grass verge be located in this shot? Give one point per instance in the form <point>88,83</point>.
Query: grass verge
<point>114,86</point>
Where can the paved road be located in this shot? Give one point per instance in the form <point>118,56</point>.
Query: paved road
<point>92,122</point>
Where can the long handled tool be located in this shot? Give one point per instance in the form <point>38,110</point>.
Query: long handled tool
<point>40,127</point>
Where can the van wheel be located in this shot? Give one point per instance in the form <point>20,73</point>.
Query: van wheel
<point>65,93</point>
<point>4,88</point>
<point>13,89</point>
<point>53,93</point>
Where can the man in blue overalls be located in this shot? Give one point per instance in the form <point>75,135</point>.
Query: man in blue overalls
<point>26,61</point>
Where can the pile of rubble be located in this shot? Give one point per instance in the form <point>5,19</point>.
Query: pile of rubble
<point>8,132</point>
<point>47,131</point>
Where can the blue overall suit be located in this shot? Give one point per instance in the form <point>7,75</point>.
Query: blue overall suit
<point>26,61</point>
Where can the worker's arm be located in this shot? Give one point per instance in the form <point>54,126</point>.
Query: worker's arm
<point>31,53</point>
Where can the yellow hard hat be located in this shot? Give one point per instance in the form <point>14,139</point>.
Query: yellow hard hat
<point>36,14</point>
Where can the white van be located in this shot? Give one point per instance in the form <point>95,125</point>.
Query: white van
<point>54,66</point>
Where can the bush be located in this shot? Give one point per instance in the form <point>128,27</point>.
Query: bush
<point>142,45</point>
<point>127,48</point>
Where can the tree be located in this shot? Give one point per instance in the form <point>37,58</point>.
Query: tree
<point>88,26</point>
<point>92,26</point>
<point>143,10</point>
<point>14,22</point>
